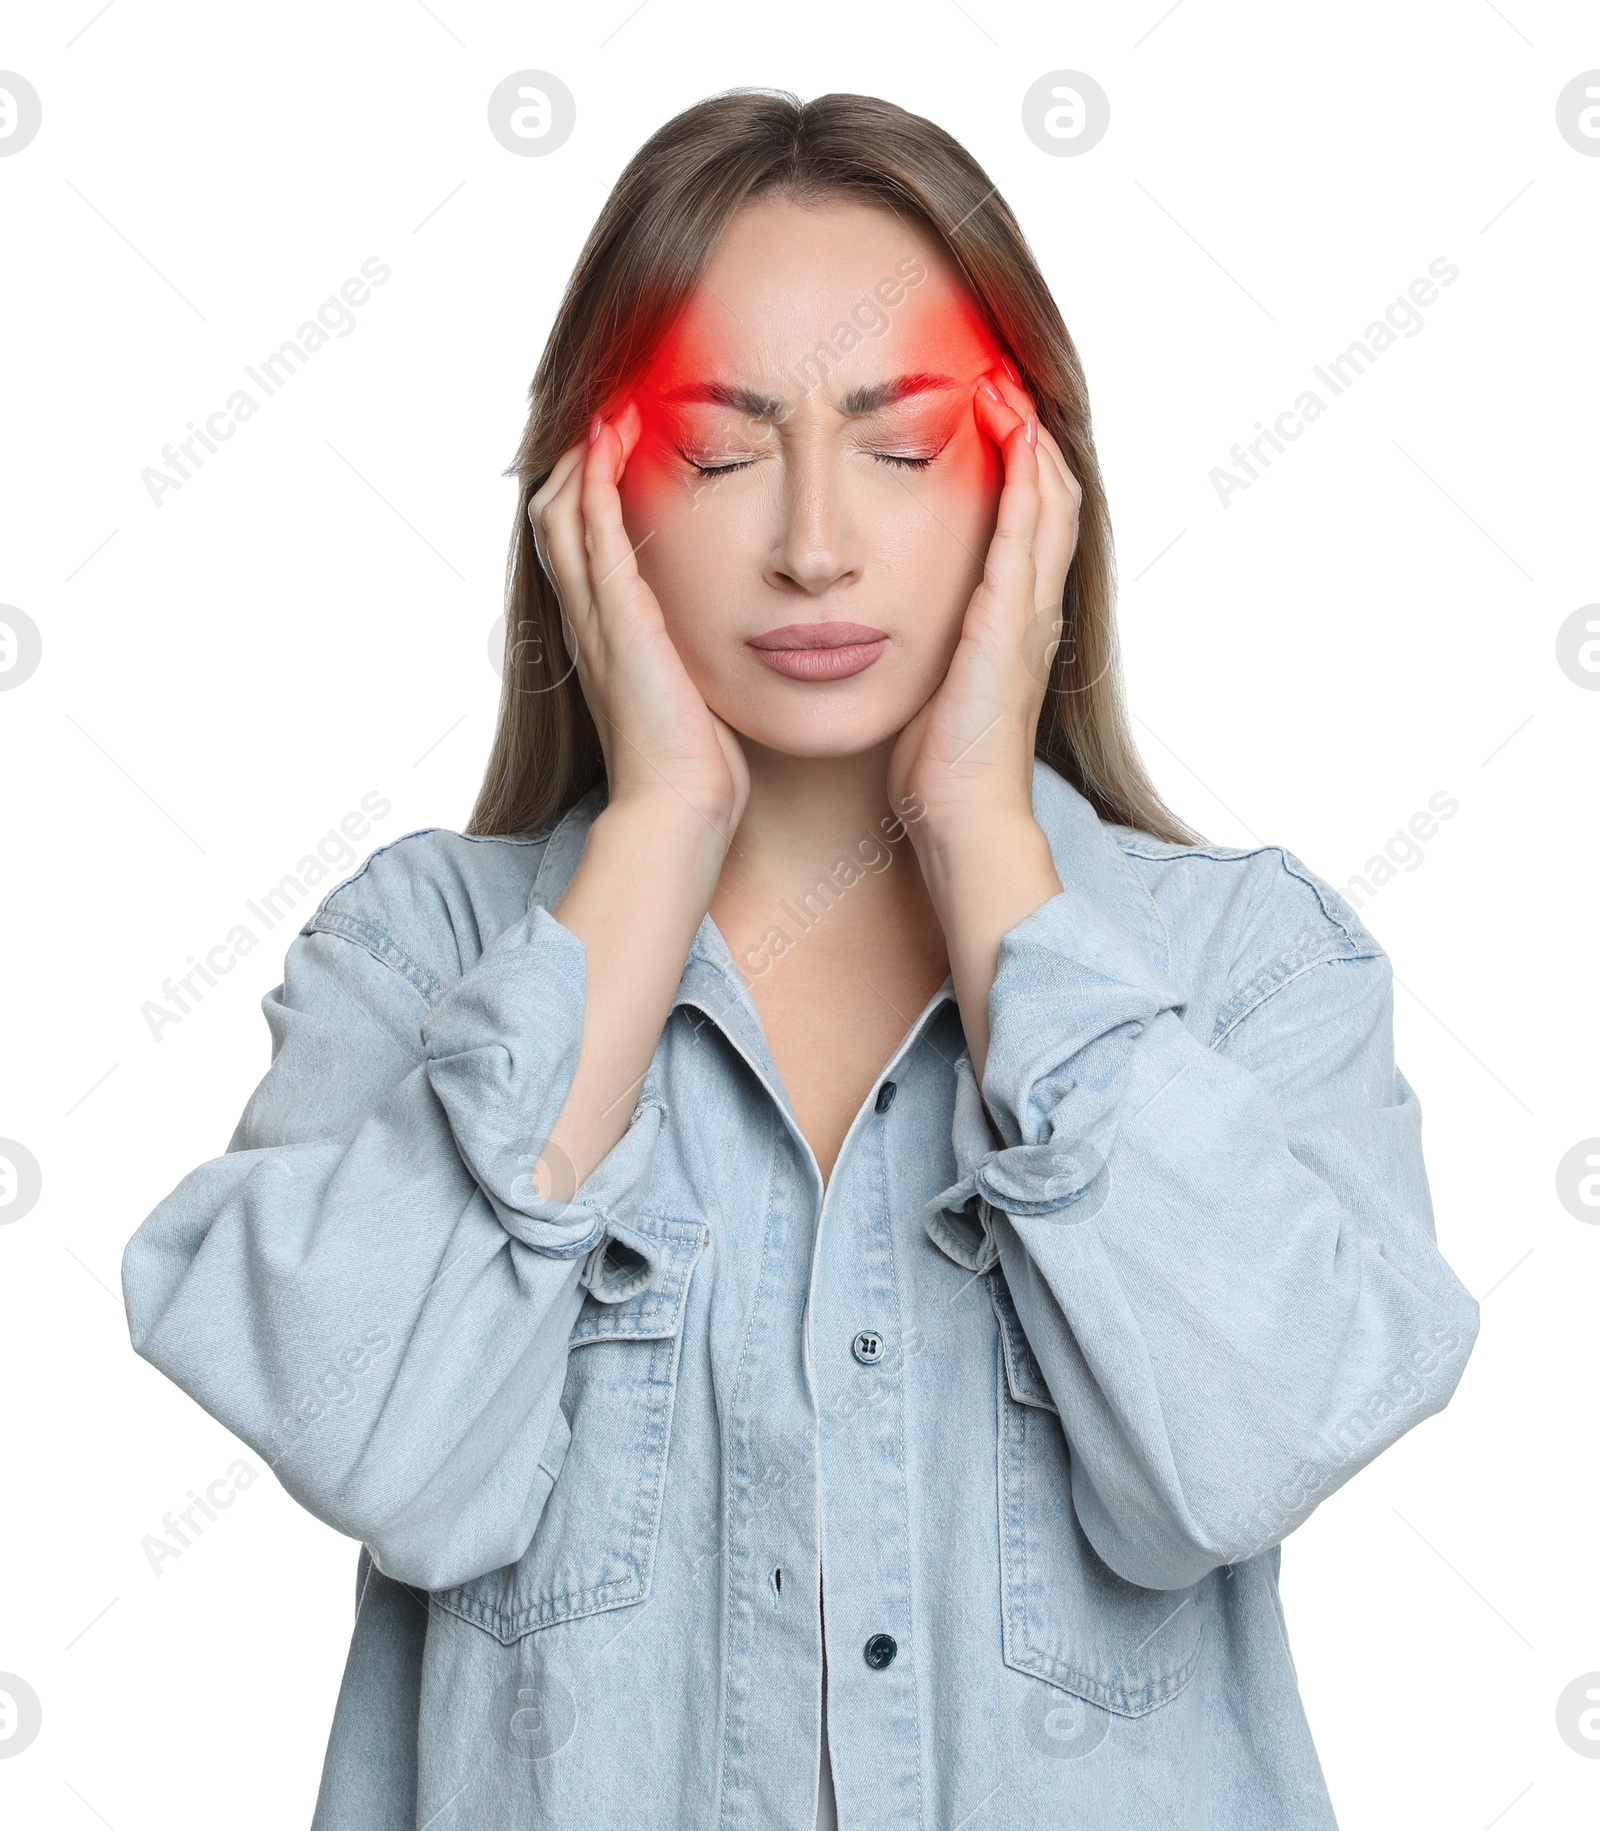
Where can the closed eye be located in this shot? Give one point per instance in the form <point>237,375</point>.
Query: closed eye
<point>716,470</point>
<point>902,460</point>
<point>908,460</point>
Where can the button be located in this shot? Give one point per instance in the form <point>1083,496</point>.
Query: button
<point>886,1095</point>
<point>867,1347</point>
<point>879,1651</point>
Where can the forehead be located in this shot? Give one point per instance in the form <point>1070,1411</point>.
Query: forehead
<point>847,286</point>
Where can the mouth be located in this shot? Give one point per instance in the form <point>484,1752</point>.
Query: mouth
<point>819,651</point>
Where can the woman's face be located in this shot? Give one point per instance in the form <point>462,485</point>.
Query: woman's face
<point>809,472</point>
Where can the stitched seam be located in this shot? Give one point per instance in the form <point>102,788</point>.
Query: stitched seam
<point>1223,1033</point>
<point>739,1386</point>
<point>380,944</point>
<point>1361,941</point>
<point>1144,889</point>
<point>896,1420</point>
<point>1357,937</point>
<point>421,832</point>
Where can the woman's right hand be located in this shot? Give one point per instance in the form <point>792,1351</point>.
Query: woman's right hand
<point>661,741</point>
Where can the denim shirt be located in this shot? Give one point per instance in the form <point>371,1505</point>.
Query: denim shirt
<point>1035,1414</point>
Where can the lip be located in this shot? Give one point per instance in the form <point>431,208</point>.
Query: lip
<point>820,651</point>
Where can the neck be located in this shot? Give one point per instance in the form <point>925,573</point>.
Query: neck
<point>803,810</point>
<point>818,837</point>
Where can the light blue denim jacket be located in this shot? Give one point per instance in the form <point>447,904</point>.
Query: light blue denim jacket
<point>1038,1416</point>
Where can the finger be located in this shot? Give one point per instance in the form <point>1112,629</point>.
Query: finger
<point>1006,401</point>
<point>1009,570</point>
<point>1060,495</point>
<point>560,528</point>
<point>1017,397</point>
<point>539,505</point>
<point>564,467</point>
<point>1058,467</point>
<point>629,423</point>
<point>1053,467</point>
<point>1057,538</point>
<point>1007,382</point>
<point>610,552</point>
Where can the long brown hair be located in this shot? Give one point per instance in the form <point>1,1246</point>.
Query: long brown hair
<point>659,228</point>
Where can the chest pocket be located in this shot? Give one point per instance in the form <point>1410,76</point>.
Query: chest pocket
<point>594,1547</point>
<point>1067,1617</point>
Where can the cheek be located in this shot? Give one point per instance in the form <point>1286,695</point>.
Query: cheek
<point>943,519</point>
<point>685,551</point>
<point>966,490</point>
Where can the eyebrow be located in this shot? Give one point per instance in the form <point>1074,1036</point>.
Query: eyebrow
<point>854,405</point>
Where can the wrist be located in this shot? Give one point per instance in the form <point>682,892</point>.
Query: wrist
<point>984,877</point>
<point>659,825</point>
<point>956,850</point>
<point>645,852</point>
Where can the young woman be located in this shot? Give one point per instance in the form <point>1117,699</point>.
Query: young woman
<point>822,1244</point>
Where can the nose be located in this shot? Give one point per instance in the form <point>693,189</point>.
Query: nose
<point>815,549</point>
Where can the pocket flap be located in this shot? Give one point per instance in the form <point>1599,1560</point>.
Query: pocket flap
<point>618,1302</point>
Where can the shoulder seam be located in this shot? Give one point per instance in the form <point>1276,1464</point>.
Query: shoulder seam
<point>377,939</point>
<point>1357,938</point>
<point>355,877</point>
<point>497,839</point>
<point>381,945</point>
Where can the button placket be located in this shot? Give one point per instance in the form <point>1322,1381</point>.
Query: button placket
<point>863,1467</point>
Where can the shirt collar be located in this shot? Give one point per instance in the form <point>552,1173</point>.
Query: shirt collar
<point>1089,857</point>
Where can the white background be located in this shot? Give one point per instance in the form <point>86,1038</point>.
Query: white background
<point>1373,621</point>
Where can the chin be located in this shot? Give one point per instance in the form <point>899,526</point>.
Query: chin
<point>813,723</point>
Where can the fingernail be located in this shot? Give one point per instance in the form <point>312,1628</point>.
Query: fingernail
<point>1030,431</point>
<point>594,428</point>
<point>1011,369</point>
<point>991,390</point>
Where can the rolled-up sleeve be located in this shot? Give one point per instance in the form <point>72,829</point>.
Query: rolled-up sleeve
<point>502,1048</point>
<point>367,1287</point>
<point>1221,1249</point>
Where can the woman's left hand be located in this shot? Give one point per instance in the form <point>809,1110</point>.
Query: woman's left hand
<point>966,759</point>
<point>965,762</point>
